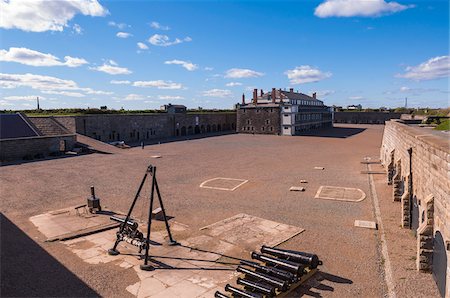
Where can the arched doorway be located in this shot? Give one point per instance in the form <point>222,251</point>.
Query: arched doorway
<point>190,130</point>
<point>197,129</point>
<point>208,128</point>
<point>183,131</point>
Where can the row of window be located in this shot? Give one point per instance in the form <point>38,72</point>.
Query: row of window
<point>305,102</point>
<point>250,122</point>
<point>252,128</point>
<point>301,117</point>
<point>259,110</point>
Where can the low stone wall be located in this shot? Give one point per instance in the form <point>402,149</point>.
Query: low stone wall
<point>147,127</point>
<point>35,147</point>
<point>364,117</point>
<point>418,165</point>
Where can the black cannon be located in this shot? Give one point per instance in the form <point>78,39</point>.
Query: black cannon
<point>280,263</point>
<point>284,275</point>
<point>256,286</point>
<point>217,294</point>
<point>278,283</point>
<point>309,259</point>
<point>241,293</point>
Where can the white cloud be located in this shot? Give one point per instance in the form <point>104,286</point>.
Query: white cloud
<point>238,73</point>
<point>23,97</point>
<point>208,68</point>
<point>120,82</point>
<point>134,97</point>
<point>217,93</point>
<point>305,74</point>
<point>112,68</point>
<point>65,93</point>
<point>4,103</point>
<point>123,34</point>
<point>186,64</point>
<point>357,8</point>
<point>35,58</point>
<point>121,26</point>
<point>233,84</point>
<point>77,29</point>
<point>434,68</point>
<point>355,97</point>
<point>323,93</point>
<point>169,97</point>
<point>158,26</point>
<point>142,46</point>
<point>164,40</point>
<point>42,15</point>
<point>46,84</point>
<point>160,84</point>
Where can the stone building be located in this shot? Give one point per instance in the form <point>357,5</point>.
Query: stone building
<point>417,161</point>
<point>282,112</point>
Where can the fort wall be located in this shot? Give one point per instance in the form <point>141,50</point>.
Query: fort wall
<point>364,117</point>
<point>418,166</point>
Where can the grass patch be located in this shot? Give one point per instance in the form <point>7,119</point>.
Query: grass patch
<point>445,125</point>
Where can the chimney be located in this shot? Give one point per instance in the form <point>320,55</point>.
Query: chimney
<point>243,99</point>
<point>315,95</point>
<point>38,107</point>
<point>262,93</point>
<point>291,90</point>
<point>255,96</point>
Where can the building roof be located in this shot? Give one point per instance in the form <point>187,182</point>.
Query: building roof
<point>15,126</point>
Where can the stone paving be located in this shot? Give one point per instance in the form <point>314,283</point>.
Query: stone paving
<point>197,267</point>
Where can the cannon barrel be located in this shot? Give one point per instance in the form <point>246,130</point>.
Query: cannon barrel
<point>278,283</point>
<point>241,293</point>
<point>301,257</point>
<point>256,286</point>
<point>284,264</point>
<point>132,224</point>
<point>217,294</point>
<point>284,275</point>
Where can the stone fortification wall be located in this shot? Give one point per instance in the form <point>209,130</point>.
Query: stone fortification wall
<point>364,117</point>
<point>418,164</point>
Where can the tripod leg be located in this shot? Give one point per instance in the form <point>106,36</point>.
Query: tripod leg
<point>146,266</point>
<point>171,240</point>
<point>113,251</point>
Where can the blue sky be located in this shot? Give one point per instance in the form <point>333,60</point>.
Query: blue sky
<point>140,55</point>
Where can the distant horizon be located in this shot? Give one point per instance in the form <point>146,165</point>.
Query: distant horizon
<point>137,56</point>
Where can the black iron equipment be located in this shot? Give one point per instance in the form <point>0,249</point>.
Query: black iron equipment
<point>278,283</point>
<point>290,266</point>
<point>308,259</point>
<point>93,202</point>
<point>128,231</point>
<point>284,275</point>
<point>256,286</point>
<point>241,293</point>
<point>218,294</point>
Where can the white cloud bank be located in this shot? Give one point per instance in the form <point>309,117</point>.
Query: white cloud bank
<point>358,8</point>
<point>170,97</point>
<point>239,73</point>
<point>142,46</point>
<point>35,58</point>
<point>434,68</point>
<point>45,84</point>
<point>217,93</point>
<point>44,15</point>
<point>186,64</point>
<point>160,84</point>
<point>112,68</point>
<point>115,82</point>
<point>233,84</point>
<point>306,74</point>
<point>161,40</point>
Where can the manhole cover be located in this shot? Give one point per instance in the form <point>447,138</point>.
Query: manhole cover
<point>340,194</point>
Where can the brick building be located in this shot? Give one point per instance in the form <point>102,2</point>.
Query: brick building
<point>282,112</point>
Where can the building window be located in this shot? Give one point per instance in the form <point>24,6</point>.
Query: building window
<point>286,108</point>
<point>267,121</point>
<point>248,121</point>
<point>262,128</point>
<point>271,110</point>
<point>253,128</point>
<point>285,127</point>
<point>286,115</point>
<point>271,128</point>
<point>257,110</point>
<point>248,127</point>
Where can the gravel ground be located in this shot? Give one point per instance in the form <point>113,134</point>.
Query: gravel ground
<point>272,164</point>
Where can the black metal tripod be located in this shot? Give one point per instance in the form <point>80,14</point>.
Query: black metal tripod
<point>151,170</point>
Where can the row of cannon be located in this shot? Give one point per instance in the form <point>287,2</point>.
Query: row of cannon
<point>275,273</point>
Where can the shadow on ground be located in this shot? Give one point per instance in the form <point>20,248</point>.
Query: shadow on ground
<point>314,286</point>
<point>27,270</point>
<point>334,132</point>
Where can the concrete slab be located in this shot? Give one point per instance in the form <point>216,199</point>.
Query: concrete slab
<point>337,193</point>
<point>296,188</point>
<point>366,224</point>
